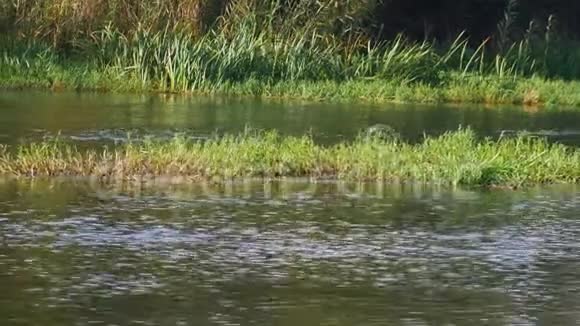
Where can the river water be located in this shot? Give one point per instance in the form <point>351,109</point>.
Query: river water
<point>96,118</point>
<point>76,252</point>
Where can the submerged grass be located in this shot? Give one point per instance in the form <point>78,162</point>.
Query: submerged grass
<point>455,158</point>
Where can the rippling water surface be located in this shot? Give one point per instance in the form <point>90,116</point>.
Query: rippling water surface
<point>73,252</point>
<point>286,253</point>
<point>97,118</point>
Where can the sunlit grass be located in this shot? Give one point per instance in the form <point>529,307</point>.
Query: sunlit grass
<point>455,158</point>
<point>267,49</point>
<point>257,64</point>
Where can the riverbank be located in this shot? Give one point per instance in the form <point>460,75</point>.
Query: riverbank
<point>396,71</point>
<point>456,158</point>
<point>321,51</point>
<point>532,92</point>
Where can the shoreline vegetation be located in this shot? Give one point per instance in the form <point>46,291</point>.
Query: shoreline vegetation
<point>269,48</point>
<point>455,158</point>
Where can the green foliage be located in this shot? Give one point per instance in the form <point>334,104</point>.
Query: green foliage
<point>451,159</point>
<point>289,49</point>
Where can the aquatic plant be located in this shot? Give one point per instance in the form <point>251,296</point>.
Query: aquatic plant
<point>454,158</point>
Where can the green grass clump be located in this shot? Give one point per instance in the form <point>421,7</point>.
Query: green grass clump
<point>455,158</point>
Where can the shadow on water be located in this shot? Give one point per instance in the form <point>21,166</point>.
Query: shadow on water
<point>97,118</point>
<point>286,253</point>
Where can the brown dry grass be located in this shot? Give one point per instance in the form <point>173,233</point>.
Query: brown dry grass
<point>66,20</point>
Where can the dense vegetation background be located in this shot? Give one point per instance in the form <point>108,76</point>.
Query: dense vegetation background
<point>404,50</point>
<point>63,20</point>
<point>480,18</point>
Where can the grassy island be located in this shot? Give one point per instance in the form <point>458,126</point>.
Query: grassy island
<point>455,158</point>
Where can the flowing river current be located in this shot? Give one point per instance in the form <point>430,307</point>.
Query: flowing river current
<point>102,118</point>
<point>77,252</point>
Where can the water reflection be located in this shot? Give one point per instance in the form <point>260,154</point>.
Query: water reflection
<point>283,253</point>
<point>94,118</point>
